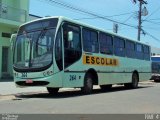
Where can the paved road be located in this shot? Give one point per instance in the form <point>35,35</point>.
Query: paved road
<point>7,88</point>
<point>145,99</point>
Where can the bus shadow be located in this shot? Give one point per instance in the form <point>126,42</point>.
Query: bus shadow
<point>74,93</point>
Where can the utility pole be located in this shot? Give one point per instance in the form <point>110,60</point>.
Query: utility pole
<point>141,2</point>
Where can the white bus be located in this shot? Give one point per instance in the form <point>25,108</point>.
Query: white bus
<point>57,52</point>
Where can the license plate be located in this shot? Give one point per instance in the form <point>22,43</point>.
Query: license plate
<point>29,81</point>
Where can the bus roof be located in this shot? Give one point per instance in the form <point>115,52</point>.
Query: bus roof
<point>62,18</point>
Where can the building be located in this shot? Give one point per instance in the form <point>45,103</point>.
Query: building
<point>12,14</point>
<point>155,51</point>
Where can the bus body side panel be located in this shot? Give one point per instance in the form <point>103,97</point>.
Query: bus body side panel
<point>73,79</point>
<point>121,73</point>
<point>115,74</point>
<point>74,75</point>
<point>144,76</point>
<point>145,73</point>
<point>56,80</point>
<point>113,78</point>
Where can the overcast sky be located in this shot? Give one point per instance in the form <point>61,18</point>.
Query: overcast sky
<point>121,10</point>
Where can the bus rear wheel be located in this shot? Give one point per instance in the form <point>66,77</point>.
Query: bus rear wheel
<point>52,91</point>
<point>157,80</point>
<point>134,83</point>
<point>88,84</point>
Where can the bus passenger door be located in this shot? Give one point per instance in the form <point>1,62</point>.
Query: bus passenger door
<point>72,52</point>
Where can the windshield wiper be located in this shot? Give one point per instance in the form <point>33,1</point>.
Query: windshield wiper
<point>41,34</point>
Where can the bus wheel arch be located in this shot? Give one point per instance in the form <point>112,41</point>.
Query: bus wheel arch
<point>136,72</point>
<point>90,79</point>
<point>94,75</point>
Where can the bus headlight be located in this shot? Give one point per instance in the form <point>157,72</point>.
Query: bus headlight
<point>48,73</point>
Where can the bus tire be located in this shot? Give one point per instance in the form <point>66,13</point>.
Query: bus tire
<point>105,87</point>
<point>52,91</point>
<point>157,80</point>
<point>88,84</point>
<point>134,83</point>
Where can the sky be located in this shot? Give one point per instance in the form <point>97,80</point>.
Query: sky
<point>123,11</point>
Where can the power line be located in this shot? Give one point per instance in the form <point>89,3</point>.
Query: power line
<point>153,37</point>
<point>154,19</point>
<point>156,23</point>
<point>128,18</point>
<point>71,7</point>
<point>153,28</point>
<point>66,5</point>
<point>105,16</point>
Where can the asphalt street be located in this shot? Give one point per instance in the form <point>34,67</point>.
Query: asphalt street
<point>119,100</point>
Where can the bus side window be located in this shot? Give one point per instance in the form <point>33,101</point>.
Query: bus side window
<point>119,47</point>
<point>90,41</point>
<point>139,51</point>
<point>130,49</point>
<point>106,44</point>
<point>146,53</point>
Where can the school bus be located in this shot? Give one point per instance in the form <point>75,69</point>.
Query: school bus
<point>57,52</point>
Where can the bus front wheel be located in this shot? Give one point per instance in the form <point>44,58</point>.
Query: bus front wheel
<point>88,84</point>
<point>52,91</point>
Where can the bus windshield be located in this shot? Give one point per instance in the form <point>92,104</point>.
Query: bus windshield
<point>33,48</point>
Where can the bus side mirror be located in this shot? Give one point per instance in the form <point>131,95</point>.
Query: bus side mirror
<point>11,45</point>
<point>12,41</point>
<point>70,36</point>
